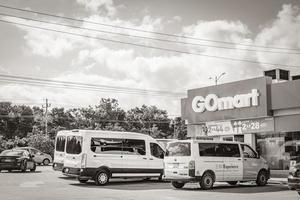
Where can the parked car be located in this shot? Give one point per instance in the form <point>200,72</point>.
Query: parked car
<point>39,157</point>
<point>294,178</point>
<point>16,159</point>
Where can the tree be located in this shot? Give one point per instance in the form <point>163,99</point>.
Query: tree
<point>149,120</point>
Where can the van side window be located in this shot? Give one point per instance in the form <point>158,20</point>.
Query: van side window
<point>248,151</point>
<point>134,147</point>
<point>156,151</point>
<point>208,149</point>
<point>219,150</point>
<point>107,145</point>
<point>118,146</point>
<point>230,150</point>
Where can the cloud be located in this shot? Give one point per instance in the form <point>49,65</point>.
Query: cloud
<point>284,32</point>
<point>117,65</point>
<point>106,6</point>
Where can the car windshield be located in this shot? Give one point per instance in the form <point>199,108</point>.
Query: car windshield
<point>179,149</point>
<point>12,153</point>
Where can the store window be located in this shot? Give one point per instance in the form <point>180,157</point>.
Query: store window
<point>279,148</point>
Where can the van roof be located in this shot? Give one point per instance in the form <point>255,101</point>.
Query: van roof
<point>209,141</point>
<point>82,131</point>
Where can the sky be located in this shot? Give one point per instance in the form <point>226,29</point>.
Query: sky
<point>38,53</point>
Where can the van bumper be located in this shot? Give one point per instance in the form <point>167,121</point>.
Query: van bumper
<point>57,166</point>
<point>184,180</point>
<point>82,173</point>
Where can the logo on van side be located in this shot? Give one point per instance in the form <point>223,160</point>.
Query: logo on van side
<point>213,103</point>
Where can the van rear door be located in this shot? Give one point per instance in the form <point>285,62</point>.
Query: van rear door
<point>177,159</point>
<point>73,151</point>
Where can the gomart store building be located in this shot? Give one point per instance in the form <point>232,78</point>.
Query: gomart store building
<point>256,111</point>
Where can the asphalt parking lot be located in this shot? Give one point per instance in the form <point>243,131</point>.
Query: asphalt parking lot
<point>48,184</point>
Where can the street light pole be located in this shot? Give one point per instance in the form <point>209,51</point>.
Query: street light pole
<point>217,78</point>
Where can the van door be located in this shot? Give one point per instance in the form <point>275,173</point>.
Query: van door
<point>232,162</point>
<point>135,157</point>
<point>74,151</point>
<point>156,157</point>
<point>105,152</point>
<point>251,163</point>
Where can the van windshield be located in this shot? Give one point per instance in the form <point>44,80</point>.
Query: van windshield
<point>74,144</point>
<point>179,149</point>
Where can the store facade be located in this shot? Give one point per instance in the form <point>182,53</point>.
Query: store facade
<point>256,111</point>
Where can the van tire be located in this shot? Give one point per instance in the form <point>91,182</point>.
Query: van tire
<point>102,177</point>
<point>232,182</point>
<point>262,178</point>
<point>207,181</point>
<point>177,185</point>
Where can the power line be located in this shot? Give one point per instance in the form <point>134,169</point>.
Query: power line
<point>145,31</point>
<point>83,86</point>
<point>101,120</point>
<point>151,47</point>
<point>144,37</point>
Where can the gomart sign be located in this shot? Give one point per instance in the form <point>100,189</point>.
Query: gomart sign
<point>213,103</point>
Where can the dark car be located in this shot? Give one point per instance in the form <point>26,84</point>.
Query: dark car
<point>16,160</point>
<point>294,178</point>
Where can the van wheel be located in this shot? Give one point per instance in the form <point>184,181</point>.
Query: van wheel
<point>46,162</point>
<point>262,178</point>
<point>102,178</point>
<point>207,181</point>
<point>232,182</point>
<point>176,184</point>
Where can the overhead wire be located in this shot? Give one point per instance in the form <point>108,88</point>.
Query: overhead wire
<point>144,31</point>
<point>145,37</point>
<point>150,47</point>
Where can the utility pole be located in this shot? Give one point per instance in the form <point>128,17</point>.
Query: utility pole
<point>47,105</point>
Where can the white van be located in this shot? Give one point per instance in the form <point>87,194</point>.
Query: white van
<point>60,150</point>
<point>101,155</point>
<point>206,162</point>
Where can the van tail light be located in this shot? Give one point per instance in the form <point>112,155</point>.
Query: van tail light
<point>192,168</point>
<point>83,160</point>
<point>192,164</point>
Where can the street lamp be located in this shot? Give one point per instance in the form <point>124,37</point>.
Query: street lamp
<point>217,78</point>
